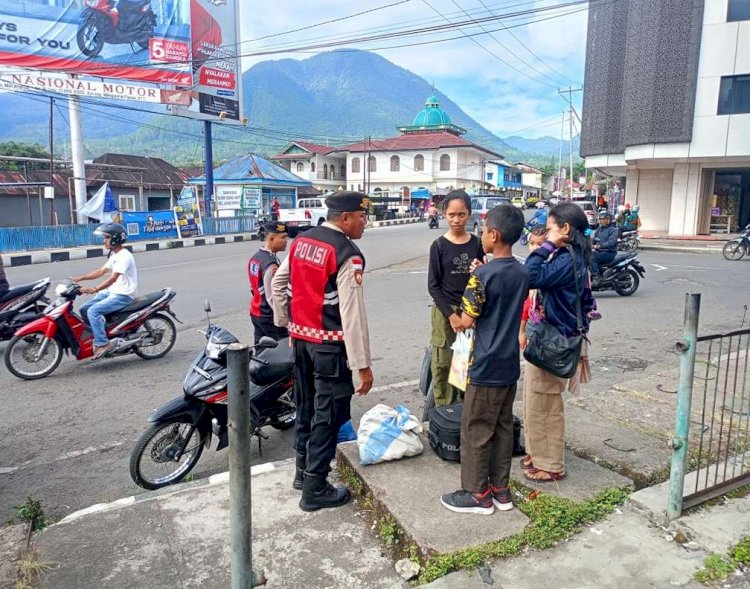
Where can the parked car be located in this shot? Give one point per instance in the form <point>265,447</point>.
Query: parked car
<point>517,201</point>
<point>310,212</point>
<point>590,210</point>
<point>480,205</point>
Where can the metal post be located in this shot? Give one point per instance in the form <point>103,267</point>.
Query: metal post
<point>240,436</point>
<point>79,165</point>
<point>208,187</point>
<point>679,442</point>
<point>52,158</point>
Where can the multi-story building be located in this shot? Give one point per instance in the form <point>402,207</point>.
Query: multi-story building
<point>503,176</point>
<point>430,155</point>
<point>667,105</point>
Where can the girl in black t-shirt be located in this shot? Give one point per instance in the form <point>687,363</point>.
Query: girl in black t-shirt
<point>452,258</point>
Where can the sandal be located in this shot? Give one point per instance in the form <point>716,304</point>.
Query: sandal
<point>543,476</point>
<point>526,462</point>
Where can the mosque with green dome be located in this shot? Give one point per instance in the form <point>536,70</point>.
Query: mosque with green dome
<point>428,157</point>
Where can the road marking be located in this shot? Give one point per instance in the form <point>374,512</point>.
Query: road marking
<point>194,262</point>
<point>659,268</point>
<point>68,455</point>
<point>696,267</point>
<point>397,385</point>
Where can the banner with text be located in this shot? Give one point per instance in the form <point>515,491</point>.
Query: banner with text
<point>187,214</point>
<point>150,224</point>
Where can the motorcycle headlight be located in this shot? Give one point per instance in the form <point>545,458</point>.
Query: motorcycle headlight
<point>214,350</point>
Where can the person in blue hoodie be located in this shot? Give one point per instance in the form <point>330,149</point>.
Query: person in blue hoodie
<point>604,243</point>
<point>551,272</point>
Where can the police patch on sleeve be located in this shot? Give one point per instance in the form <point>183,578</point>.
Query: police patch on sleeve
<point>357,268</point>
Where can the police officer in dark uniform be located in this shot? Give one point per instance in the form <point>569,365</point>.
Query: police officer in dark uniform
<point>317,293</point>
<point>260,270</point>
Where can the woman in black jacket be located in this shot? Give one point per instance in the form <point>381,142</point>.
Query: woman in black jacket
<point>551,272</point>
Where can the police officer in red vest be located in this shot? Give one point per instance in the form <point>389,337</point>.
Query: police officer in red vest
<point>317,293</point>
<point>260,270</point>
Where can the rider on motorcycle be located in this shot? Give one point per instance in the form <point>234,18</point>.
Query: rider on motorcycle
<point>4,286</point>
<point>604,243</point>
<point>632,221</point>
<point>540,217</point>
<point>116,292</point>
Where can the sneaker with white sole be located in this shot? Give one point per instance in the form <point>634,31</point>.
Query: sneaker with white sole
<point>501,498</point>
<point>467,502</point>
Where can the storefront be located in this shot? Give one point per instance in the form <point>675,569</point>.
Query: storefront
<point>729,199</point>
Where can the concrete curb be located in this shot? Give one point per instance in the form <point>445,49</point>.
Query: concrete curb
<point>680,248</point>
<point>217,479</point>
<point>403,221</point>
<point>83,253</point>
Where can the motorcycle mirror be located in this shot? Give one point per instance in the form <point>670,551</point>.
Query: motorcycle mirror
<point>206,306</point>
<point>267,342</point>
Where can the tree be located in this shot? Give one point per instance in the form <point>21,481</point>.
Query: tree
<point>13,148</point>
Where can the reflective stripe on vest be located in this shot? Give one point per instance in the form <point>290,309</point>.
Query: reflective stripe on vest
<point>310,333</point>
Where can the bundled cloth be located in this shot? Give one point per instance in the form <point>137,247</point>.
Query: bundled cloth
<point>386,434</point>
<point>583,373</point>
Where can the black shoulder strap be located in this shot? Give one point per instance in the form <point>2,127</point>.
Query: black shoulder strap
<point>579,312</point>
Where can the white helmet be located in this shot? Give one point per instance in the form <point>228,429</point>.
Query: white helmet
<point>621,209</point>
<point>540,205</point>
<point>636,208</point>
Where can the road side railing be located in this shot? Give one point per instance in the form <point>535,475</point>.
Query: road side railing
<point>24,239</point>
<point>712,423</point>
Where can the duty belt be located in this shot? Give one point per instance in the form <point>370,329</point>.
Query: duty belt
<point>325,335</point>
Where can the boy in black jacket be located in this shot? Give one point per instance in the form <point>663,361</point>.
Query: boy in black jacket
<point>492,304</point>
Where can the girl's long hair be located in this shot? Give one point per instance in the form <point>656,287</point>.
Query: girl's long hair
<point>573,215</point>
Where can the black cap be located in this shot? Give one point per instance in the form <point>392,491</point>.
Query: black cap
<point>343,201</point>
<point>276,227</point>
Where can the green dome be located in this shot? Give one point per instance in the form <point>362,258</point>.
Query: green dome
<point>432,115</point>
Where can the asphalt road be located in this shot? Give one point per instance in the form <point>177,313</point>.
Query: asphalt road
<point>66,439</point>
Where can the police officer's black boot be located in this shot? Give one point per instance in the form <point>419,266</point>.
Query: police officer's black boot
<point>318,493</point>
<point>299,472</point>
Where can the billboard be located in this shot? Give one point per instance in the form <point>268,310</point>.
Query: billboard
<point>187,214</point>
<point>142,40</point>
<point>215,44</point>
<point>150,224</point>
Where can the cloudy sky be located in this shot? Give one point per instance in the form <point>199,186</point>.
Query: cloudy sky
<point>504,73</point>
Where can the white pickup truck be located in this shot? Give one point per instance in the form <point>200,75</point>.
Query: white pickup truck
<point>310,212</point>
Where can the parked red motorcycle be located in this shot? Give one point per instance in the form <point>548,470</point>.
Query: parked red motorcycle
<point>142,328</point>
<point>131,21</point>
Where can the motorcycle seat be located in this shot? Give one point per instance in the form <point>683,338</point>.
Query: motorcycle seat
<point>618,258</point>
<point>137,304</point>
<point>280,364</point>
<point>17,291</point>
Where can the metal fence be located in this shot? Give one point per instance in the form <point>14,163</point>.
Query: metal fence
<point>712,428</point>
<point>19,239</point>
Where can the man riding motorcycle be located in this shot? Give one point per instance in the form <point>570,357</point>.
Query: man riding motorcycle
<point>116,292</point>
<point>604,243</point>
<point>540,217</point>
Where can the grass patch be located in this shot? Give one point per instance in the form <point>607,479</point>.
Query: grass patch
<point>553,519</point>
<point>717,567</point>
<point>31,568</point>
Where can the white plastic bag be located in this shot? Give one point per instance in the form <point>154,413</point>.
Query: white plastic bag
<point>386,433</point>
<point>459,372</point>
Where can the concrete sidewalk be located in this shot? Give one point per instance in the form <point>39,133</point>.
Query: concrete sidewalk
<point>180,539</point>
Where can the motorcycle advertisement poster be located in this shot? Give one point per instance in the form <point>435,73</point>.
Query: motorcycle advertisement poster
<point>145,40</point>
<point>187,214</point>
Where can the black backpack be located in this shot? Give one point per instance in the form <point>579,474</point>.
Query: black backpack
<point>444,434</point>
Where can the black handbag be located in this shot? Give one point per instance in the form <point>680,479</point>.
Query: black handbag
<point>549,349</point>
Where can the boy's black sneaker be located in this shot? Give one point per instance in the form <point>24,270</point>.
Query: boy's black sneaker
<point>468,502</point>
<point>501,498</point>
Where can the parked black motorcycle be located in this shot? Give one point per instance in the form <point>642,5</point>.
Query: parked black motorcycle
<point>737,248</point>
<point>433,222</point>
<point>21,305</point>
<point>131,21</point>
<point>169,449</point>
<point>628,241</point>
<point>623,275</point>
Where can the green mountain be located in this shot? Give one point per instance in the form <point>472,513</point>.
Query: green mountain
<point>331,98</point>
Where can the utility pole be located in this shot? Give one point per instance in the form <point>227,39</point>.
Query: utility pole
<point>208,187</point>
<point>559,159</point>
<point>76,153</point>
<point>570,122</point>
<point>365,164</point>
<point>52,159</point>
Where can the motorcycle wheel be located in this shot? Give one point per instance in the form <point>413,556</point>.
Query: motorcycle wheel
<point>429,404</point>
<point>733,250</point>
<point>19,356</point>
<point>89,38</point>
<point>633,244</point>
<point>163,334</point>
<point>151,463</point>
<point>262,234</point>
<point>628,284</point>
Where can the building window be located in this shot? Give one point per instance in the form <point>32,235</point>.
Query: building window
<point>127,202</point>
<point>355,165</point>
<point>506,176</point>
<point>418,163</point>
<point>373,163</point>
<point>325,171</point>
<point>445,163</point>
<point>343,170</point>
<point>489,176</point>
<point>738,10</point>
<point>734,95</point>
<point>395,164</point>
<point>300,167</point>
